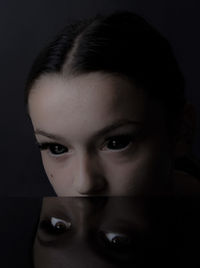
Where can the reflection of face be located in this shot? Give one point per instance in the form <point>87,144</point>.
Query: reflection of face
<point>83,232</point>
<point>99,135</point>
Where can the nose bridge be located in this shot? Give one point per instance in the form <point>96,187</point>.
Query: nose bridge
<point>89,177</point>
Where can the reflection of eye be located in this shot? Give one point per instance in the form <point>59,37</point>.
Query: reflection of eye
<point>54,148</point>
<point>118,142</point>
<point>116,240</point>
<point>55,226</point>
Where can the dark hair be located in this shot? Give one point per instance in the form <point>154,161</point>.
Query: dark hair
<point>121,43</point>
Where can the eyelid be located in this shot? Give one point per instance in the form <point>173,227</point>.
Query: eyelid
<point>45,145</point>
<point>118,136</point>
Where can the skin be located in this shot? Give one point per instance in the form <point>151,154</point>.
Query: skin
<point>73,111</point>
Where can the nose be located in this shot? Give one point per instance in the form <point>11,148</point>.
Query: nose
<point>89,178</point>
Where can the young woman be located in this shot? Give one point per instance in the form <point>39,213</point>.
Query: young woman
<point>106,100</point>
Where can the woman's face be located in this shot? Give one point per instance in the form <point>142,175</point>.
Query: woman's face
<point>99,135</point>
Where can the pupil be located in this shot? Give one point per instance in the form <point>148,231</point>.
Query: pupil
<point>119,143</point>
<point>60,226</point>
<point>57,149</point>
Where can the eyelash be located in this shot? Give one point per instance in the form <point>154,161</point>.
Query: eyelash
<point>47,146</point>
<point>127,138</point>
<point>55,226</point>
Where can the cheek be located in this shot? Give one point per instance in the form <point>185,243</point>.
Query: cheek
<point>148,167</point>
<point>125,179</point>
<point>59,174</point>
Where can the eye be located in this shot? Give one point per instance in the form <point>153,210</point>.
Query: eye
<point>54,148</point>
<point>116,240</point>
<point>118,142</point>
<point>55,226</point>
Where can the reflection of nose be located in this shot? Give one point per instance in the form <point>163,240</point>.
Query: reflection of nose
<point>89,178</point>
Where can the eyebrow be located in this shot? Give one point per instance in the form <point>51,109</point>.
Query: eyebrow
<point>105,130</point>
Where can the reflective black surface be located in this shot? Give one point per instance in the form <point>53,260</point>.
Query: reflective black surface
<point>100,232</point>
<point>117,232</point>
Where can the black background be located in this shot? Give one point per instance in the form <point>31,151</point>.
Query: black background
<point>27,26</point>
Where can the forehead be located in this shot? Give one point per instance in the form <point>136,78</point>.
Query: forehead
<point>90,99</point>
<point>93,88</point>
